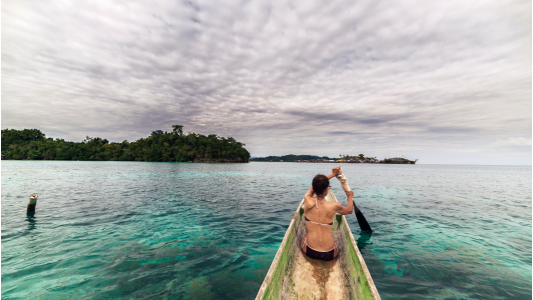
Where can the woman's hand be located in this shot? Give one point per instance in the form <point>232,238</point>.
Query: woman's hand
<point>336,170</point>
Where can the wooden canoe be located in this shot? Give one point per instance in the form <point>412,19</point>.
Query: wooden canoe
<point>293,275</point>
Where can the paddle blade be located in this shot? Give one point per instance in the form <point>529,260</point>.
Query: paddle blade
<point>362,221</point>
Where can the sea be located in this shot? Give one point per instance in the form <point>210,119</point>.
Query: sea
<point>140,230</point>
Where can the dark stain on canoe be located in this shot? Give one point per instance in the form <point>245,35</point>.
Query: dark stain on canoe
<point>321,271</point>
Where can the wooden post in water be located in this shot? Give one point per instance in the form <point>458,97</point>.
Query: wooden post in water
<point>32,203</point>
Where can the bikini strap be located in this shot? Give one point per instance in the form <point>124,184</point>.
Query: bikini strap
<point>328,224</point>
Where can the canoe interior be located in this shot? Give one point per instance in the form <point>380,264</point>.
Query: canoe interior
<point>293,275</point>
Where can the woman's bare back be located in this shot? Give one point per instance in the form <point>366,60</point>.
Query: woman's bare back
<point>319,236</point>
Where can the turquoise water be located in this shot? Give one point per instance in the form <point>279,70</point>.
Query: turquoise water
<point>210,231</point>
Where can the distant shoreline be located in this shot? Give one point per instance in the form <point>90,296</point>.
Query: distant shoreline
<point>359,159</point>
<point>340,162</point>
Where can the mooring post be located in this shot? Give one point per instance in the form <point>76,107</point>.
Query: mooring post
<point>32,203</point>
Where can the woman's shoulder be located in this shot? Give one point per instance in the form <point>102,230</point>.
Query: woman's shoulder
<point>309,199</point>
<point>334,206</point>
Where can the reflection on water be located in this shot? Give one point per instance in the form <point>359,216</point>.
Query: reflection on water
<point>364,240</point>
<point>30,218</point>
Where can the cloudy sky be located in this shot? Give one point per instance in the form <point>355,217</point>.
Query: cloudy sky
<point>442,81</point>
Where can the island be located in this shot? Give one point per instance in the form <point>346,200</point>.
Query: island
<point>342,159</point>
<point>173,146</point>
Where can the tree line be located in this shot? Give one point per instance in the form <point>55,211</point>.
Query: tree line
<point>174,146</point>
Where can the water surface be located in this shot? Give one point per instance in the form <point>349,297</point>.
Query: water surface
<point>210,231</point>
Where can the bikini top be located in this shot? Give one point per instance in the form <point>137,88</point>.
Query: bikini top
<point>330,224</point>
<point>318,223</point>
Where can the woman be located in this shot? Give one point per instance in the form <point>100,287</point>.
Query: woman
<point>318,242</point>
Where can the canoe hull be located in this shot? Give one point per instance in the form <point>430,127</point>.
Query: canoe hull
<point>293,275</point>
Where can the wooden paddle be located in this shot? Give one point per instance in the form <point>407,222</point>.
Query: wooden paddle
<point>360,218</point>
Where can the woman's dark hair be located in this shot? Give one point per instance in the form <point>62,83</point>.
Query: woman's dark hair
<point>320,184</point>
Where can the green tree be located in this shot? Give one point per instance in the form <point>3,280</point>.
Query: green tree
<point>177,129</point>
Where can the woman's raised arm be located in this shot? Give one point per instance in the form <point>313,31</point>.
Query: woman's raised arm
<point>343,210</point>
<point>310,192</point>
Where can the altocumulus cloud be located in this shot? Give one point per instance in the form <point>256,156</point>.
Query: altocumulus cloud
<point>427,79</point>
